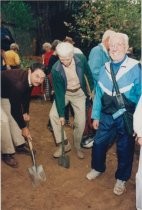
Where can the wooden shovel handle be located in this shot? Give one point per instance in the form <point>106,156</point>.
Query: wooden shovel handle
<point>30,143</point>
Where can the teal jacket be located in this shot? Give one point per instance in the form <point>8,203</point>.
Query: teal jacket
<point>60,80</point>
<point>97,58</point>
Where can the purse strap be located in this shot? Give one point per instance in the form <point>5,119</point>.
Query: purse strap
<point>119,96</point>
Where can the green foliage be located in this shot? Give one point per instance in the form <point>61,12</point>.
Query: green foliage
<point>94,17</point>
<point>26,63</point>
<point>18,13</point>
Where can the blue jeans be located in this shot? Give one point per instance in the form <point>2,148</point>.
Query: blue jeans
<point>108,129</point>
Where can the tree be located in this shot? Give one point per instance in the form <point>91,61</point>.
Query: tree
<point>19,14</point>
<point>94,17</point>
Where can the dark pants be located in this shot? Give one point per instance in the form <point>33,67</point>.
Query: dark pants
<point>125,146</point>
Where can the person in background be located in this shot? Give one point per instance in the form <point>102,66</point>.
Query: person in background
<point>138,132</point>
<point>6,37</point>
<point>70,40</point>
<point>47,53</point>
<point>99,55</point>
<point>12,57</point>
<point>108,116</point>
<point>69,86</point>
<point>15,97</point>
<point>52,60</point>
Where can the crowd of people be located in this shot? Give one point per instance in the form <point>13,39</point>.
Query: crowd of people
<point>115,82</point>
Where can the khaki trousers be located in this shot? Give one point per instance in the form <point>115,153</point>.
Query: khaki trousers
<point>77,101</point>
<point>10,132</point>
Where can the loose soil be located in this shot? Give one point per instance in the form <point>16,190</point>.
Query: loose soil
<point>65,189</point>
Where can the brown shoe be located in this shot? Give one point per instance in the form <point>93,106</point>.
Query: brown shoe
<point>80,154</point>
<point>10,160</point>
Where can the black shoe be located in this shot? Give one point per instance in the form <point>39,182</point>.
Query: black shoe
<point>87,142</point>
<point>23,149</point>
<point>10,160</point>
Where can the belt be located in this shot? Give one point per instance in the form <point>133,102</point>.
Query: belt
<point>73,90</point>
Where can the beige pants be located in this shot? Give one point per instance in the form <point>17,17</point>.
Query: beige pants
<point>77,101</point>
<point>10,132</point>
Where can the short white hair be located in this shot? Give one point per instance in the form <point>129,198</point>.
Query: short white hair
<point>107,34</point>
<point>14,46</point>
<point>46,45</point>
<point>123,37</point>
<point>65,49</point>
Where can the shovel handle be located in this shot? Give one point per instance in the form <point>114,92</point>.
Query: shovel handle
<point>31,149</point>
<point>62,137</point>
<point>30,143</point>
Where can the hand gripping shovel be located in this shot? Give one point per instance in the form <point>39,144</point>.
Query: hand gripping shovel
<point>37,173</point>
<point>63,159</point>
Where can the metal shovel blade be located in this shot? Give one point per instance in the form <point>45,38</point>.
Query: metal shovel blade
<point>37,174</point>
<point>64,161</point>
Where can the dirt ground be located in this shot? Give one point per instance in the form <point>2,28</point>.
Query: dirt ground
<point>65,189</point>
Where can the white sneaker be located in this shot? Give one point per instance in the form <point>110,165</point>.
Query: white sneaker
<point>119,187</point>
<point>92,174</point>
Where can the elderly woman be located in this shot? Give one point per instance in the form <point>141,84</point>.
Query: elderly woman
<point>12,57</point>
<point>108,115</point>
<point>47,53</point>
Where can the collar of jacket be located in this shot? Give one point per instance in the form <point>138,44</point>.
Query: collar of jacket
<point>79,71</point>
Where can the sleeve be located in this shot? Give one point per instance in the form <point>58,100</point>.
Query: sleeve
<point>26,101</point>
<point>16,108</point>
<point>58,85</point>
<point>97,104</point>
<point>95,61</point>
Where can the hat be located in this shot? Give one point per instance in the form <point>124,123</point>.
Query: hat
<point>69,39</point>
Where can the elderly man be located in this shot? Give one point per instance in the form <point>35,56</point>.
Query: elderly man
<point>99,55</point>
<point>15,92</point>
<point>108,115</point>
<point>69,86</point>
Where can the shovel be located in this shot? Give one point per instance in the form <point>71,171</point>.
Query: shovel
<point>37,173</point>
<point>63,160</point>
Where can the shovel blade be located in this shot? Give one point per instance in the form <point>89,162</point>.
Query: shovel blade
<point>37,174</point>
<point>64,161</point>
<point>41,173</point>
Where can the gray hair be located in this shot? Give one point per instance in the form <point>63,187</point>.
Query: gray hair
<point>107,34</point>
<point>14,46</point>
<point>65,49</point>
<point>122,36</point>
<point>46,45</point>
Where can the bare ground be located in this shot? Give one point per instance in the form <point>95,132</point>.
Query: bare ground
<point>65,189</point>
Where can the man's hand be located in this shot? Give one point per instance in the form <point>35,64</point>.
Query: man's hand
<point>95,124</point>
<point>26,133</point>
<point>26,117</point>
<point>62,120</point>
